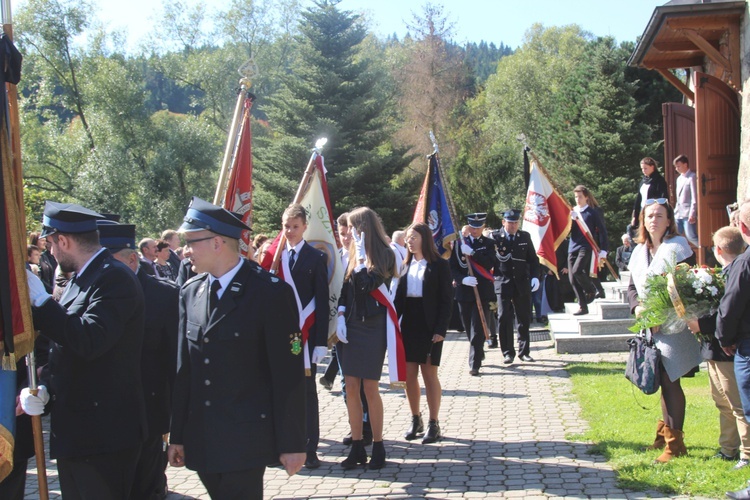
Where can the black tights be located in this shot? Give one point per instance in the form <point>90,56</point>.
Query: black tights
<point>672,402</point>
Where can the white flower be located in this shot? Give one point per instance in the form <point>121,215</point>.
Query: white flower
<point>704,276</point>
<point>714,291</point>
<point>699,291</point>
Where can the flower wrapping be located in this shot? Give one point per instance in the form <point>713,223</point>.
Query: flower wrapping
<point>679,294</point>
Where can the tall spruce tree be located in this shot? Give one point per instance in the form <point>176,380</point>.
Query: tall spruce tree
<point>335,90</point>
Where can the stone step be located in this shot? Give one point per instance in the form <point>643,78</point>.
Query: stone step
<point>572,343</point>
<point>589,325</point>
<point>614,310</point>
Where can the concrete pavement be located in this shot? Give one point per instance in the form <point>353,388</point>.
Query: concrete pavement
<point>505,436</point>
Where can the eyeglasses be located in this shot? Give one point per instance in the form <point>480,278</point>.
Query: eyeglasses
<point>660,201</point>
<point>189,243</point>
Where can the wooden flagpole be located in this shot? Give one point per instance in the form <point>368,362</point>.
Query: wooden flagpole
<point>452,211</point>
<point>15,141</point>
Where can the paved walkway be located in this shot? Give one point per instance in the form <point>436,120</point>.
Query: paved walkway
<point>505,436</point>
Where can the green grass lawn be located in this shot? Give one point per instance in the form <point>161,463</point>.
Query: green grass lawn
<point>620,428</point>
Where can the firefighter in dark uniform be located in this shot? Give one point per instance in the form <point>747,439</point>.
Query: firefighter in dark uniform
<point>515,278</point>
<point>98,418</point>
<point>239,398</point>
<point>481,251</point>
<point>158,358</point>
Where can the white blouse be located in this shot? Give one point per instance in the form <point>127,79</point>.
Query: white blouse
<point>415,277</point>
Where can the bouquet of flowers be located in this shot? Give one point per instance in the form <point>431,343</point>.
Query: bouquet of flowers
<point>679,294</point>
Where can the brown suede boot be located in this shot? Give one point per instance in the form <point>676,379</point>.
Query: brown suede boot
<point>659,442</point>
<point>675,446</point>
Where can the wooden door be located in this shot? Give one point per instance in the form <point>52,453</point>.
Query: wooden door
<point>717,134</point>
<point>679,139</point>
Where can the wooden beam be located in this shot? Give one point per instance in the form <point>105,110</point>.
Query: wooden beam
<point>687,62</point>
<point>680,46</point>
<point>679,84</point>
<point>703,22</point>
<point>734,56</point>
<point>707,48</point>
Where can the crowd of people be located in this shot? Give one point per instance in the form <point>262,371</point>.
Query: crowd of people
<point>143,340</point>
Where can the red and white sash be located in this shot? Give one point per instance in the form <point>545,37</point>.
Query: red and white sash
<point>306,314</point>
<point>594,267</point>
<point>395,344</point>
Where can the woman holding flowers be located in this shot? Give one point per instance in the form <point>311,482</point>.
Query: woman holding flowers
<point>659,248</point>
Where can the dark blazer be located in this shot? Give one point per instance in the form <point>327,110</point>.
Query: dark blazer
<point>484,255</point>
<point>437,296</point>
<point>622,258</point>
<point>94,368</point>
<point>147,266</point>
<point>239,398</point>
<point>310,274</point>
<point>174,262</point>
<point>47,267</point>
<point>185,272</point>
<point>592,216</point>
<point>159,356</point>
<point>657,189</point>
<point>733,320</point>
<point>355,295</point>
<point>517,263</point>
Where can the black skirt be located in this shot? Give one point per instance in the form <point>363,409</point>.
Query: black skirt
<point>418,344</point>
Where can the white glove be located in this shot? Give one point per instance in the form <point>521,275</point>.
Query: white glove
<point>341,329</point>
<point>359,243</point>
<point>466,249</point>
<point>602,254</point>
<point>34,405</point>
<point>534,284</point>
<point>37,293</point>
<point>469,281</point>
<point>574,215</point>
<point>318,354</point>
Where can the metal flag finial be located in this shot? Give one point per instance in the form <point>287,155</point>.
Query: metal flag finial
<point>434,143</point>
<point>249,70</point>
<point>319,144</point>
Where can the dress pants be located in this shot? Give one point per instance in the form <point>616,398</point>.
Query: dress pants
<point>579,263</point>
<point>238,485</point>
<point>734,431</point>
<point>98,477</point>
<point>742,372</point>
<point>474,330</point>
<point>313,415</point>
<point>509,310</point>
<point>150,480</point>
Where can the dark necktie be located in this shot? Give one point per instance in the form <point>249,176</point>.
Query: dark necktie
<point>214,297</point>
<point>291,258</point>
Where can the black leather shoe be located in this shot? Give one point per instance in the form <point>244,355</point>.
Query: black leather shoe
<point>357,456</point>
<point>527,358</point>
<point>600,295</point>
<point>581,312</point>
<point>474,372</point>
<point>492,345</point>
<point>433,432</point>
<point>347,441</point>
<point>507,360</point>
<point>312,461</point>
<point>377,460</point>
<point>325,383</point>
<point>416,427</point>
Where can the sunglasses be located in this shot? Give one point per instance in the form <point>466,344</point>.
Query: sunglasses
<point>660,201</point>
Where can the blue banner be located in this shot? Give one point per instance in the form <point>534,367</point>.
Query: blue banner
<point>438,215</point>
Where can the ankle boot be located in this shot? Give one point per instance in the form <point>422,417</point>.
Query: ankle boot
<point>675,446</point>
<point>433,432</point>
<point>659,442</point>
<point>417,427</point>
<point>357,455</point>
<point>377,460</point>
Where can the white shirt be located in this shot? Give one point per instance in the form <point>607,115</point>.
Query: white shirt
<point>296,248</point>
<point>415,277</point>
<point>225,279</point>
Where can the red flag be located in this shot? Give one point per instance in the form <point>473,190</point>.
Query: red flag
<point>238,197</point>
<point>546,217</point>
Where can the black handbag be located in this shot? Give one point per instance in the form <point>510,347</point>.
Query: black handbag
<point>644,362</point>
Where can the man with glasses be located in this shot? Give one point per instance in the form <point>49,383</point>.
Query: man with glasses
<point>239,398</point>
<point>98,418</point>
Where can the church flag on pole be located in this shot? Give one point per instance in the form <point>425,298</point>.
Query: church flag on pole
<point>546,216</point>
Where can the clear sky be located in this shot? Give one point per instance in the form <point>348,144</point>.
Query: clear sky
<point>475,20</point>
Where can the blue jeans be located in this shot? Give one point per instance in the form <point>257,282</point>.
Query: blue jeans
<point>742,373</point>
<point>688,230</point>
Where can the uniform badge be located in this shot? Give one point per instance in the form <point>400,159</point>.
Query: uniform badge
<point>296,343</point>
<point>274,279</point>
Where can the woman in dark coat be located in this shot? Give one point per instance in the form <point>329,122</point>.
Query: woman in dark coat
<point>652,186</point>
<point>424,300</point>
